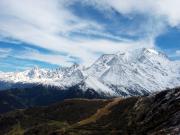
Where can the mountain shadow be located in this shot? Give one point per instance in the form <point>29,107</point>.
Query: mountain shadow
<point>22,98</point>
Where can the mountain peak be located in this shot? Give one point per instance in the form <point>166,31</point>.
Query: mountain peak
<point>75,65</point>
<point>140,54</point>
<point>150,50</point>
<point>153,52</point>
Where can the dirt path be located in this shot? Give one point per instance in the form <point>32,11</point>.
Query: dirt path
<point>100,112</point>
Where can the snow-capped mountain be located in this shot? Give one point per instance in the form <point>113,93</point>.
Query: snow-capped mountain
<point>136,72</point>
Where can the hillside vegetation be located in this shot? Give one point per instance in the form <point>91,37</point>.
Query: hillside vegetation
<point>152,115</point>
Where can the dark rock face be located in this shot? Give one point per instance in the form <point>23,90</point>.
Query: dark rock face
<point>158,114</point>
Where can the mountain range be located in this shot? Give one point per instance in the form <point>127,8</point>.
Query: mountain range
<point>129,93</point>
<point>136,72</point>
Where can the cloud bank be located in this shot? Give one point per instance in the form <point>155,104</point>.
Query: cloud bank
<point>49,24</point>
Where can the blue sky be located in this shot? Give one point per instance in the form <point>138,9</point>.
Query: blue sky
<point>52,33</point>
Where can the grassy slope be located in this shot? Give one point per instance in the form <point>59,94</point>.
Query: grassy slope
<point>63,113</point>
<point>158,114</point>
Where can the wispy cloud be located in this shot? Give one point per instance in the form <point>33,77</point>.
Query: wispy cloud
<point>4,52</point>
<point>169,9</point>
<point>49,24</point>
<point>57,59</point>
<point>178,53</point>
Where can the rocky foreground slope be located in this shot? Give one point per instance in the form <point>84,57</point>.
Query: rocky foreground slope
<point>158,114</point>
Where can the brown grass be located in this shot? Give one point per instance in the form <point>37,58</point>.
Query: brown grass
<point>100,112</point>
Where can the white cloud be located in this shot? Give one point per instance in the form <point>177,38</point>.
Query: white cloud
<point>48,15</point>
<point>49,58</point>
<point>45,23</point>
<point>178,53</point>
<point>4,52</point>
<point>169,9</point>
